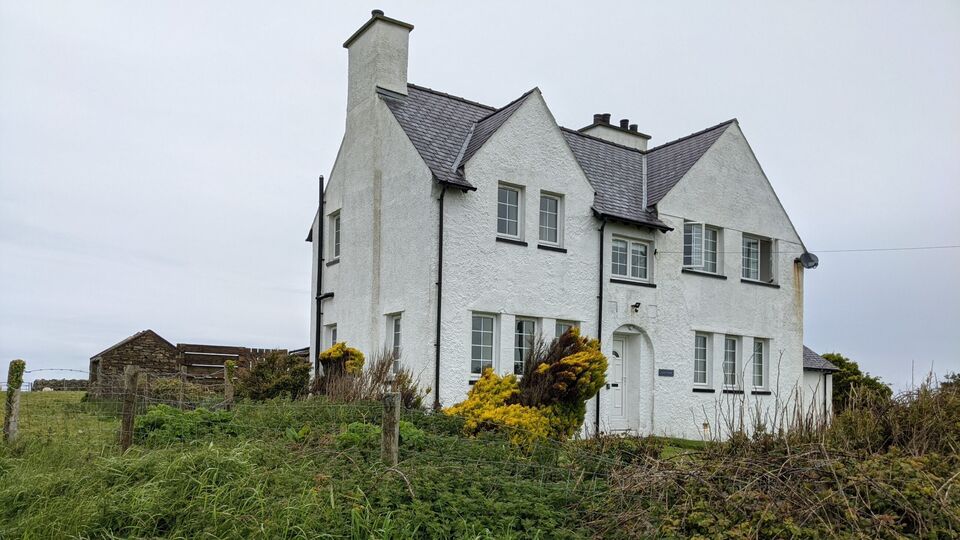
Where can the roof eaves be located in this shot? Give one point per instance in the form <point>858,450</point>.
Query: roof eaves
<point>653,224</point>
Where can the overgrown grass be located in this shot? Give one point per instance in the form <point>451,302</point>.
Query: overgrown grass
<point>311,469</point>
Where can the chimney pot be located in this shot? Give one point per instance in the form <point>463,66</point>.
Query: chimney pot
<point>598,118</point>
<point>605,117</point>
<point>377,12</point>
<point>633,127</point>
<point>624,122</point>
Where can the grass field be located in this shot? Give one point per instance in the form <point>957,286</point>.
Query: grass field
<point>311,469</point>
<point>282,470</point>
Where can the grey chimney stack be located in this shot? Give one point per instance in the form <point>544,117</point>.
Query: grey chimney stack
<point>623,133</point>
<point>377,56</point>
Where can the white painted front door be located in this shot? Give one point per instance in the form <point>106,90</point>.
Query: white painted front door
<point>616,384</point>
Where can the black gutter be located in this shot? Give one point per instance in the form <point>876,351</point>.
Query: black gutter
<point>436,367</point>
<point>317,340</point>
<point>603,225</point>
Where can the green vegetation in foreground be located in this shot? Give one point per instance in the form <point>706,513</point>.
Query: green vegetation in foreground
<point>282,469</point>
<point>276,470</point>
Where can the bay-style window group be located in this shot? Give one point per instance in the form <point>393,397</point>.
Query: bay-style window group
<point>485,339</point>
<point>738,368</point>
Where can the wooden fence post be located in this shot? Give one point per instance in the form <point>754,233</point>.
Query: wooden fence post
<point>183,384</point>
<point>11,420</point>
<point>390,443</point>
<point>228,368</point>
<point>130,376</point>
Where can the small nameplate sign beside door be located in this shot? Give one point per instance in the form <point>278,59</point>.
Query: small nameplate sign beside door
<point>665,372</point>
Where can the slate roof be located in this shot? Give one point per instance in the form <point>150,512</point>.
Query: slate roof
<point>437,125</point>
<point>814,362</point>
<point>133,338</point>
<point>448,130</point>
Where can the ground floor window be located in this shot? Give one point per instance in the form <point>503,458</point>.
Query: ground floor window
<point>564,326</point>
<point>759,373</point>
<point>730,361</point>
<point>523,343</point>
<point>700,343</point>
<point>481,344</point>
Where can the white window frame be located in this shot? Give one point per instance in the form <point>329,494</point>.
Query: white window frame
<point>396,334</point>
<point>631,245</point>
<point>747,259</point>
<point>693,258</point>
<point>522,349</point>
<point>560,323</point>
<point>331,331</point>
<point>761,362</point>
<point>766,248</point>
<point>716,252</point>
<point>336,235</point>
<point>559,217</point>
<point>484,363</point>
<point>519,191</point>
<point>728,362</point>
<point>707,341</point>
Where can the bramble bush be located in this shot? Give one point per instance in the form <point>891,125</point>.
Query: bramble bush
<point>277,375</point>
<point>163,425</point>
<point>548,403</point>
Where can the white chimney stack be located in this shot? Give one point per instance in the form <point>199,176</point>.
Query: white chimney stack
<point>377,57</point>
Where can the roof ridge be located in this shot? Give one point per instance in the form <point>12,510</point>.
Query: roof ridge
<point>444,94</point>
<point>522,96</point>
<point>701,132</point>
<point>604,141</point>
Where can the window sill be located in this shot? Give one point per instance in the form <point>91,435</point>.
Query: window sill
<point>762,284</point>
<point>702,273</point>
<point>704,390</point>
<point>760,392</point>
<point>558,249</point>
<point>637,283</point>
<point>513,241</point>
<point>732,391</point>
<point>333,262</point>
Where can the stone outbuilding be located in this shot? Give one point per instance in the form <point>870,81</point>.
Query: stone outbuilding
<point>157,357</point>
<point>145,349</point>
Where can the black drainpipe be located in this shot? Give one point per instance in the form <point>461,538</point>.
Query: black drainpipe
<point>603,224</point>
<point>436,367</point>
<point>318,338</point>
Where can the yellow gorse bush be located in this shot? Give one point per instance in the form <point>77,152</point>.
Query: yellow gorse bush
<point>341,356</point>
<point>549,402</point>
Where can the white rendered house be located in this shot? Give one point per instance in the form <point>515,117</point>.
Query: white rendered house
<point>455,232</point>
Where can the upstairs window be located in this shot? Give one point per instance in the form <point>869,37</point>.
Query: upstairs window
<point>550,219</point>
<point>335,235</point>
<point>523,343</point>
<point>481,344</point>
<point>630,260</point>
<point>508,211</point>
<point>701,246</point>
<point>757,259</point>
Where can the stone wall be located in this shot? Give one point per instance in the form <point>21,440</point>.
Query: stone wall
<point>146,350</point>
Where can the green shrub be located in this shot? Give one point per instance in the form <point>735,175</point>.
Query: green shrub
<point>548,403</point>
<point>277,375</point>
<point>163,425</point>
<point>364,435</point>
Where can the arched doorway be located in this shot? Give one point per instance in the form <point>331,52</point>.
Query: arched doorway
<point>629,380</point>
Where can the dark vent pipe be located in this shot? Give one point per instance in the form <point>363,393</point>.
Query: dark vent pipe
<point>605,118</point>
<point>624,123</point>
<point>598,118</point>
<point>633,127</point>
<point>603,224</point>
<point>318,338</point>
<point>436,366</point>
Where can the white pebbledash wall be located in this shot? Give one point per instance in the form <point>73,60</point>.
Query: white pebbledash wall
<point>388,264</point>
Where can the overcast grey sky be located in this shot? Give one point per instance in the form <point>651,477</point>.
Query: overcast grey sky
<point>158,160</point>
